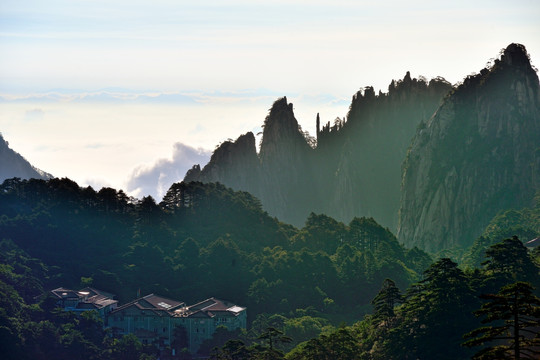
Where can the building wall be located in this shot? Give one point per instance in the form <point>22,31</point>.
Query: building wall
<point>130,321</point>
<point>198,329</point>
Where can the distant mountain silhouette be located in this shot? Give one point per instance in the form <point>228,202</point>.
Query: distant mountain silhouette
<point>353,167</point>
<point>12,164</point>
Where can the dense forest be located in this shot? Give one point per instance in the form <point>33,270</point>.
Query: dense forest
<point>327,290</point>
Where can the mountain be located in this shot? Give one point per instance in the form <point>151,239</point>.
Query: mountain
<point>363,153</point>
<point>282,174</point>
<point>12,164</point>
<point>231,163</point>
<point>351,169</point>
<point>479,154</point>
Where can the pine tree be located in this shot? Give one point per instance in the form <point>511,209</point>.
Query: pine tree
<point>385,301</point>
<point>435,314</point>
<point>515,312</point>
<point>508,262</point>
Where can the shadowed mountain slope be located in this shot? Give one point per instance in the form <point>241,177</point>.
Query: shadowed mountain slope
<point>479,154</point>
<point>353,169</point>
<point>12,164</point>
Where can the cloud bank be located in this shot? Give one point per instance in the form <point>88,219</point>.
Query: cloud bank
<point>156,179</point>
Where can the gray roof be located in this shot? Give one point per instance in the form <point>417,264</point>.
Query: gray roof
<point>161,306</point>
<point>154,303</point>
<point>88,298</point>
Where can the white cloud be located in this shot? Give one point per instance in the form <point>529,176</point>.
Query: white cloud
<point>156,179</point>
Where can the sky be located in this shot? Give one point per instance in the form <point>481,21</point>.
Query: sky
<point>130,94</point>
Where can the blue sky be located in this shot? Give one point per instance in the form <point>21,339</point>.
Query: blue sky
<point>211,69</point>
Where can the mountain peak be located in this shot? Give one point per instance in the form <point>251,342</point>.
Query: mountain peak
<point>473,157</point>
<point>12,164</point>
<point>515,54</point>
<point>279,108</point>
<point>280,123</point>
<point>281,102</point>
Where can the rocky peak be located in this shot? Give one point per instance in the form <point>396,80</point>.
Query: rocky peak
<point>281,130</point>
<point>516,55</point>
<point>473,157</point>
<point>245,144</point>
<point>233,163</point>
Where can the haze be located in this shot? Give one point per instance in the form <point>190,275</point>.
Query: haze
<point>113,93</point>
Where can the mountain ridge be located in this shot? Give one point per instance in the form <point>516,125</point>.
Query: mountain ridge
<point>362,165</point>
<point>12,164</point>
<point>476,156</point>
<point>295,175</point>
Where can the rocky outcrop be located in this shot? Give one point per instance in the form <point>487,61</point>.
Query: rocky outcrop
<point>289,188</point>
<point>354,169</point>
<point>474,157</point>
<point>235,164</point>
<point>12,164</point>
<point>371,144</point>
<point>281,175</point>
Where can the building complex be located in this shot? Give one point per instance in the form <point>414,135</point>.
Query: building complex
<point>155,319</point>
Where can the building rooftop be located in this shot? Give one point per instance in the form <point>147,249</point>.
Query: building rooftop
<point>63,293</point>
<point>208,308</point>
<point>213,307</point>
<point>154,303</point>
<point>87,298</point>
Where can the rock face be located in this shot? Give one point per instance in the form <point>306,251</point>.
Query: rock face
<point>279,175</point>
<point>477,155</point>
<point>233,163</point>
<point>289,187</point>
<point>364,153</point>
<point>354,169</point>
<point>12,164</point>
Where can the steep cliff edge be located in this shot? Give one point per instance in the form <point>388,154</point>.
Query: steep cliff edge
<point>476,156</point>
<point>289,188</point>
<point>235,164</point>
<point>281,175</point>
<point>354,169</point>
<point>12,164</point>
<point>369,147</point>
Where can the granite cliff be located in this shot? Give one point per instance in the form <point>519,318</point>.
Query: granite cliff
<point>477,155</point>
<point>364,152</point>
<point>281,175</point>
<point>352,170</point>
<point>233,163</point>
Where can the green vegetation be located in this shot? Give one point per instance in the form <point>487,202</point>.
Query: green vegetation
<point>519,308</point>
<point>524,223</point>
<point>439,310</point>
<point>309,291</point>
<point>202,240</point>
